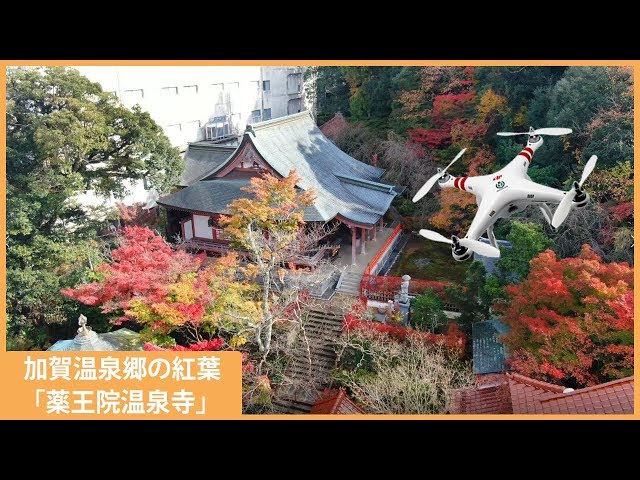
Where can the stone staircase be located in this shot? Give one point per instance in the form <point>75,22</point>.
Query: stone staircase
<point>350,283</point>
<point>307,374</point>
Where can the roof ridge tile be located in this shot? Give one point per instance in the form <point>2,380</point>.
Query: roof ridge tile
<point>532,382</point>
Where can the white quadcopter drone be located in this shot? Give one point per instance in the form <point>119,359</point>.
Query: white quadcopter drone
<point>505,192</point>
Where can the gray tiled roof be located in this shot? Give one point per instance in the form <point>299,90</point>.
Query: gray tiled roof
<point>214,196</point>
<point>211,196</point>
<point>343,185</point>
<point>122,339</point>
<point>488,352</point>
<point>201,159</point>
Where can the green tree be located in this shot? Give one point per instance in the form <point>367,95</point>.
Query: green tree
<point>370,93</point>
<point>528,241</point>
<point>329,90</point>
<point>64,136</point>
<point>518,84</point>
<point>427,311</point>
<point>597,103</point>
<point>471,299</point>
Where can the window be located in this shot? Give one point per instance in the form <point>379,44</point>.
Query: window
<point>255,116</point>
<point>294,83</point>
<point>254,85</point>
<point>132,96</point>
<point>294,106</point>
<point>146,182</point>
<point>217,127</point>
<point>218,234</point>
<point>266,114</point>
<point>169,91</point>
<point>233,89</point>
<point>210,222</point>
<point>266,85</point>
<point>190,89</point>
<point>217,90</point>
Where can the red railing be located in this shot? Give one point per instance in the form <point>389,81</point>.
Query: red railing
<point>454,337</point>
<point>374,262</point>
<point>383,250</point>
<point>383,289</point>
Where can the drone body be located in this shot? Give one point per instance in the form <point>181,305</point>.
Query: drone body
<point>504,193</point>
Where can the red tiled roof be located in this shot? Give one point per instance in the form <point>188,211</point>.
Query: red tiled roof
<point>335,402</point>
<point>332,127</point>
<point>610,397</point>
<point>527,392</point>
<point>492,398</point>
<point>515,393</point>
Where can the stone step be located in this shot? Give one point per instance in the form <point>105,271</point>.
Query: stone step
<point>311,375</point>
<point>305,373</point>
<point>324,314</point>
<point>352,292</point>
<point>292,407</point>
<point>330,321</point>
<point>328,328</point>
<point>318,355</point>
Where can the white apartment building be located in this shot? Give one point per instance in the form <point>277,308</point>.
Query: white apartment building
<point>184,101</point>
<point>194,103</point>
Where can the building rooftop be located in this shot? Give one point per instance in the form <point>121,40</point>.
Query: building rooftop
<point>201,158</point>
<point>610,397</point>
<point>334,126</point>
<point>488,352</point>
<point>122,339</point>
<point>335,402</point>
<point>515,393</point>
<point>344,186</point>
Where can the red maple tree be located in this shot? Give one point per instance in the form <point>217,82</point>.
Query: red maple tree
<point>571,320</point>
<point>166,290</point>
<point>141,268</point>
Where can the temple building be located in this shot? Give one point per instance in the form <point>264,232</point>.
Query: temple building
<point>347,191</point>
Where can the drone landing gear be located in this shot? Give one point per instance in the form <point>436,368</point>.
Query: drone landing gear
<point>548,215</point>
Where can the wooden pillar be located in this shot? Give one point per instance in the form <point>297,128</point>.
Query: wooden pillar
<point>353,245</point>
<point>363,237</point>
<point>374,233</point>
<point>381,224</point>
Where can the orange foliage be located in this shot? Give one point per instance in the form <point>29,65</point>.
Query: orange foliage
<point>572,319</point>
<point>456,210</point>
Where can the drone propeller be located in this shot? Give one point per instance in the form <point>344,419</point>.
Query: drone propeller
<point>565,205</point>
<point>541,131</point>
<point>473,245</point>
<point>432,181</point>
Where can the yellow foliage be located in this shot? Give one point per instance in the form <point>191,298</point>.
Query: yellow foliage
<point>237,341</point>
<point>491,101</point>
<point>275,206</point>
<point>520,117</point>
